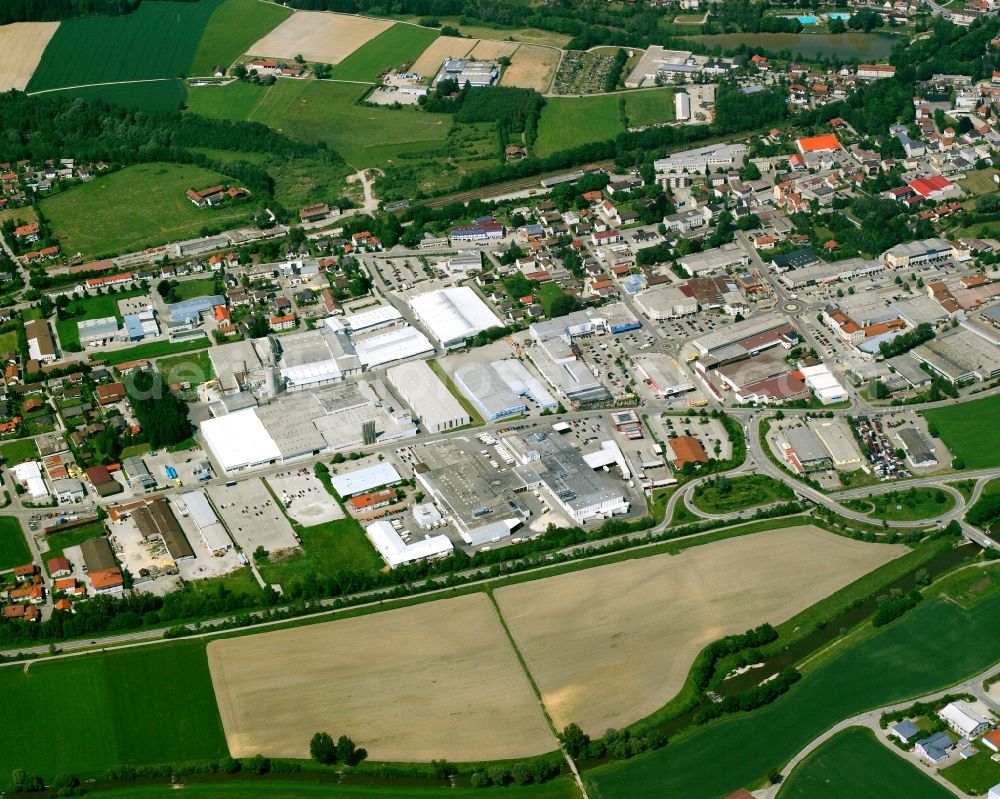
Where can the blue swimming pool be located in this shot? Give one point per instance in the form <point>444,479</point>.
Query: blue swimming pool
<point>841,15</point>
<point>807,20</point>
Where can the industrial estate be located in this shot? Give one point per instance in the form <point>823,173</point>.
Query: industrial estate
<point>565,399</point>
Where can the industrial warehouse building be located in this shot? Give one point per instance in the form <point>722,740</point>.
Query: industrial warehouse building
<point>666,376</point>
<point>395,552</point>
<point>918,449</point>
<point>380,335</point>
<point>501,388</point>
<point>315,358</point>
<point>364,480</point>
<point>454,314</point>
<point>742,339</point>
<point>213,533</point>
<point>416,384</point>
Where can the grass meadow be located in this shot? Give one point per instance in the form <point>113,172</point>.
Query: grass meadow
<point>400,44</point>
<point>232,28</point>
<point>970,431</point>
<point>139,706</point>
<point>926,650</point>
<point>850,763</point>
<point>906,505</point>
<point>13,548</point>
<point>136,207</point>
<point>154,349</point>
<point>732,494</point>
<point>194,368</point>
<point>15,452</point>
<point>157,40</point>
<point>159,95</point>
<point>571,121</point>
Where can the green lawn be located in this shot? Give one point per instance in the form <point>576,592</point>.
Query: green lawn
<point>161,95</point>
<point>571,121</point>
<point>330,547</point>
<point>647,107</point>
<point>15,452</point>
<point>232,29</point>
<point>97,307</point>
<point>395,46</point>
<point>13,548</point>
<point>926,650</point>
<point>976,775</point>
<point>726,495</point>
<point>970,431</point>
<point>194,368</point>
<point>233,101</point>
<point>850,764</point>
<point>189,289</point>
<point>152,350</point>
<point>907,505</point>
<point>140,706</point>
<point>136,207</point>
<point>288,788</point>
<point>157,40</point>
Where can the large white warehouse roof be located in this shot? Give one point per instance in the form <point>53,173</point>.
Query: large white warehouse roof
<point>396,552</point>
<point>453,314</point>
<point>239,440</point>
<point>361,480</point>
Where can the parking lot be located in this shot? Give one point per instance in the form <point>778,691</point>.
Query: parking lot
<point>253,518</point>
<point>400,274</point>
<point>304,497</point>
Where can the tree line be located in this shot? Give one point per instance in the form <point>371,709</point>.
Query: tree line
<point>48,10</point>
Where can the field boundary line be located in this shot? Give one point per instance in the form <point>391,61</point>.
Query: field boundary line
<point>260,102</point>
<point>535,689</point>
<point>105,83</point>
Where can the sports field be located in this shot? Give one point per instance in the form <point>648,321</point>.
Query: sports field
<point>399,45</point>
<point>318,36</point>
<point>531,67</point>
<point>158,95</point>
<point>233,27</point>
<point>21,48</point>
<point>436,680</point>
<point>144,705</point>
<point>136,207</point>
<point>926,650</point>
<point>157,40</point>
<point>850,763</point>
<point>13,548</point>
<point>970,431</point>
<point>610,645</point>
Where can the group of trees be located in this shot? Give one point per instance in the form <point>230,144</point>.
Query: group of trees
<point>46,10</point>
<point>892,607</point>
<point>905,342</point>
<point>705,666</point>
<point>619,744</point>
<point>752,698</point>
<point>162,415</point>
<point>323,749</point>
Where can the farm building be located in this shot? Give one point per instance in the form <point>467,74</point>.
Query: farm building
<point>453,315</point>
<point>433,404</point>
<point>963,719</point>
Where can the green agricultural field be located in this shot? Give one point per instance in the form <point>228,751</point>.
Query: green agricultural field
<point>235,100</point>
<point>400,44</point>
<point>970,431</point>
<point>136,207</point>
<point>924,651</point>
<point>726,495</point>
<point>194,368</point>
<point>647,107</point>
<point>13,548</point>
<point>158,95</point>
<point>235,25</point>
<point>906,505</point>
<point>322,111</point>
<point>850,763</point>
<point>157,40</point>
<point>288,788</point>
<point>139,706</point>
<point>571,121</point>
<point>15,452</point>
<point>97,307</point>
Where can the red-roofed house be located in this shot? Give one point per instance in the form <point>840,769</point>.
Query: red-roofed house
<point>818,144</point>
<point>59,567</point>
<point>933,187</point>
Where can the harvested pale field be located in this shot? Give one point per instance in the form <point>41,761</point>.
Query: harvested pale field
<point>491,49</point>
<point>610,645</point>
<point>441,48</point>
<point>437,680</point>
<point>319,36</point>
<point>21,48</point>
<point>532,67</point>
